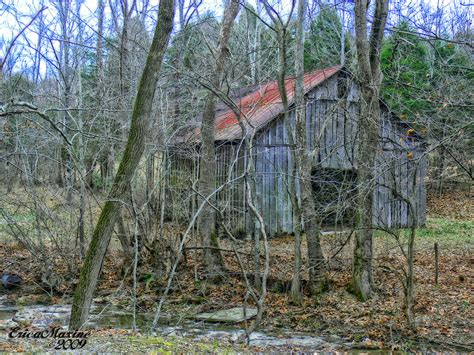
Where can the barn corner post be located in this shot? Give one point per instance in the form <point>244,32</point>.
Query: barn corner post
<point>141,113</point>
<point>370,78</point>
<point>213,259</point>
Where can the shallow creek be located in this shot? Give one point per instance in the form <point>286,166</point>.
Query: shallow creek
<point>42,316</point>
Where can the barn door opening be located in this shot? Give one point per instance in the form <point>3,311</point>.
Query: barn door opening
<point>334,192</point>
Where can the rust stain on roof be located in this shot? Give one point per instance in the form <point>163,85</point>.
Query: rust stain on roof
<point>261,106</point>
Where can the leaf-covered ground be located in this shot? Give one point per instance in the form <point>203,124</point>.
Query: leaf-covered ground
<point>444,311</point>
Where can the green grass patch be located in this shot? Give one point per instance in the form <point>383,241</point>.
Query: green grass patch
<point>447,230</point>
<point>19,218</point>
<point>170,345</point>
<point>155,341</point>
<point>444,231</point>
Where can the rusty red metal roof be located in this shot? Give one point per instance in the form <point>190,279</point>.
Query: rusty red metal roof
<point>261,106</point>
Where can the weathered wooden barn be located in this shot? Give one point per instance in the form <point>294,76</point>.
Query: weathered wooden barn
<point>332,104</point>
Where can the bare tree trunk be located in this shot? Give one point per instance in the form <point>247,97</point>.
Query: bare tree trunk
<point>410,275</point>
<point>293,167</point>
<point>370,77</point>
<point>281,32</point>
<point>39,44</point>
<point>141,114</point>
<point>248,134</point>
<point>100,41</point>
<point>300,166</point>
<point>343,37</point>
<point>296,295</point>
<point>408,281</point>
<point>439,171</point>
<point>409,286</point>
<point>65,160</point>
<point>254,53</point>
<point>100,84</point>
<point>124,68</point>
<point>181,14</point>
<point>80,166</point>
<point>362,277</point>
<point>210,242</point>
<point>317,273</point>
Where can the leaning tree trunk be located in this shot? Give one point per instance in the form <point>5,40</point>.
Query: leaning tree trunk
<point>212,257</point>
<point>370,77</point>
<point>141,114</point>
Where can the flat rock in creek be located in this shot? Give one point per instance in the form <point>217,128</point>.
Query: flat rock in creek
<point>232,315</point>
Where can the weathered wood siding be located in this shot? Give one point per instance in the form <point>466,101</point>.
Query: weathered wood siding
<point>400,174</point>
<point>332,134</point>
<point>181,169</point>
<point>229,175</point>
<point>332,128</point>
<point>332,111</point>
<point>272,172</point>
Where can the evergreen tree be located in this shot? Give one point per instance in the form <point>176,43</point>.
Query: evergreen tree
<point>406,73</point>
<point>323,42</point>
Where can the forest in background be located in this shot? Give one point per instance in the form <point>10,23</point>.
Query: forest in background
<point>72,88</point>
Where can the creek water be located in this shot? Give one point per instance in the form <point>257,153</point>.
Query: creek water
<point>113,317</point>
